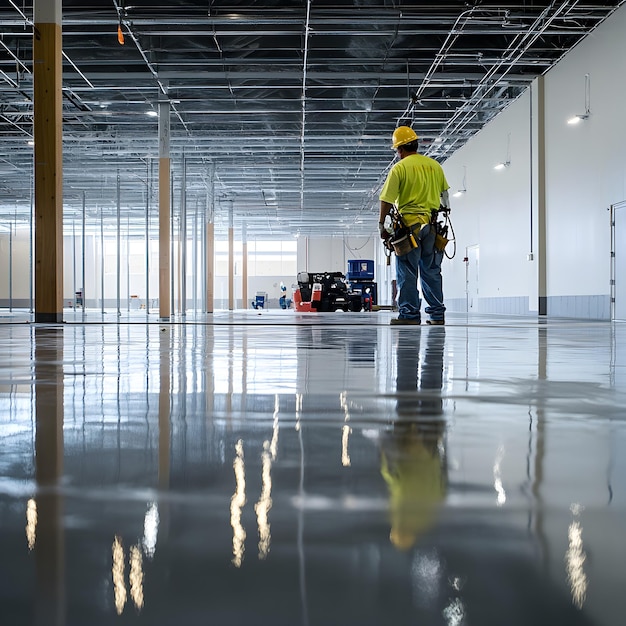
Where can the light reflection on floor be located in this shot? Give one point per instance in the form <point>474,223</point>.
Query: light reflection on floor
<point>323,469</point>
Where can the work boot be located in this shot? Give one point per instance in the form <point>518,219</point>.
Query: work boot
<point>436,322</point>
<point>404,320</point>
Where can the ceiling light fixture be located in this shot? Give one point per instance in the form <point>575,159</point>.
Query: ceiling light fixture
<point>576,119</point>
<point>152,113</point>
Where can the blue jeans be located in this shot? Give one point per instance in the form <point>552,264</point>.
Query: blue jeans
<point>423,262</point>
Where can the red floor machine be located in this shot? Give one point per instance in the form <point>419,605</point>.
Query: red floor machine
<point>325,291</point>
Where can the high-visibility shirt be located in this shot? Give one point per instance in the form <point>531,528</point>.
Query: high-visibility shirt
<point>417,486</point>
<point>414,184</point>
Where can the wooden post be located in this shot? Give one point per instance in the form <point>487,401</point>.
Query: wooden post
<point>164,211</point>
<point>231,258</point>
<point>210,242</point>
<point>48,127</point>
<point>210,266</point>
<point>244,267</point>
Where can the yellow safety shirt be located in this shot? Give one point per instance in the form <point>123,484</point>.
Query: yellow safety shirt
<point>414,184</point>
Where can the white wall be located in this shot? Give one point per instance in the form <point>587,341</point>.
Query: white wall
<point>586,164</point>
<point>585,174</point>
<point>15,289</point>
<point>332,254</point>
<point>494,212</point>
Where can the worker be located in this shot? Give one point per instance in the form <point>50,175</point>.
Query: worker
<point>417,186</point>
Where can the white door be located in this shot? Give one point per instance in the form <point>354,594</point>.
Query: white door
<point>619,260</point>
<point>471,277</point>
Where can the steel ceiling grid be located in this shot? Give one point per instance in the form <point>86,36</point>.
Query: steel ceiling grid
<point>288,138</point>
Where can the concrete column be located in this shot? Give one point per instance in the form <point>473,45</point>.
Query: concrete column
<point>164,211</point>
<point>48,127</point>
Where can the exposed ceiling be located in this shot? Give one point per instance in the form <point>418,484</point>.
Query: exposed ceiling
<point>284,108</point>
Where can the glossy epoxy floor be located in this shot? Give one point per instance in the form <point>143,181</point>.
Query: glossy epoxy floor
<point>284,469</point>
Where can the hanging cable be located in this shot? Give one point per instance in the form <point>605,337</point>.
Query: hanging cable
<point>120,32</point>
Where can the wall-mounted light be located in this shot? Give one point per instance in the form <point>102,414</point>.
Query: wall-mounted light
<point>460,192</point>
<point>504,164</point>
<point>576,119</point>
<point>151,113</point>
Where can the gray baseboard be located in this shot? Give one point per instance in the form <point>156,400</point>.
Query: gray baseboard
<point>578,307</point>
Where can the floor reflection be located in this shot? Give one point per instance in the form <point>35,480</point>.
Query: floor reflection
<point>413,457</point>
<point>312,474</point>
<point>47,508</point>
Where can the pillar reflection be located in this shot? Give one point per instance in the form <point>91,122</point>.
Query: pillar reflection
<point>49,539</point>
<point>165,436</point>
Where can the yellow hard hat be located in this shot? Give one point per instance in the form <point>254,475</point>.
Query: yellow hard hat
<point>403,135</point>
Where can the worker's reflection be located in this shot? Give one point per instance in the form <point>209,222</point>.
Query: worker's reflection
<point>413,461</point>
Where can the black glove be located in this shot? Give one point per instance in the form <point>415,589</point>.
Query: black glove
<point>382,231</point>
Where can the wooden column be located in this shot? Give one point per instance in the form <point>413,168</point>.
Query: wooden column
<point>210,242</point>
<point>48,127</point>
<point>231,258</point>
<point>164,211</point>
<point>210,266</point>
<point>244,267</point>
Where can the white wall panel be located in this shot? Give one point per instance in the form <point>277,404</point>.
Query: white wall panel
<point>585,174</point>
<point>495,210</point>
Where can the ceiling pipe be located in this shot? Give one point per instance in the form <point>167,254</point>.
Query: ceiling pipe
<point>307,27</point>
<point>453,35</point>
<point>144,56</point>
<point>534,32</point>
<point>23,66</point>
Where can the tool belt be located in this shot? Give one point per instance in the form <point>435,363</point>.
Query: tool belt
<point>405,238</point>
<point>441,231</point>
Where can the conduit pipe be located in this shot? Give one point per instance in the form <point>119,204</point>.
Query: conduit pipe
<point>307,27</point>
<point>516,50</point>
<point>149,65</point>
